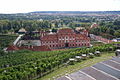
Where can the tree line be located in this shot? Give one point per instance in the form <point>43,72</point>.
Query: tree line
<point>14,25</point>
<point>108,30</point>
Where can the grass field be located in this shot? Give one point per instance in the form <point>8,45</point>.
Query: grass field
<point>72,68</point>
<point>97,43</point>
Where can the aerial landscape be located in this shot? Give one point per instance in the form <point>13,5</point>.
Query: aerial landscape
<point>60,40</point>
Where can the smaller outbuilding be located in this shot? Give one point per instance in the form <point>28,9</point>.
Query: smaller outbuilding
<point>22,31</point>
<point>84,56</point>
<point>71,61</point>
<point>116,40</point>
<point>117,52</point>
<point>91,55</point>
<point>78,58</point>
<point>97,53</point>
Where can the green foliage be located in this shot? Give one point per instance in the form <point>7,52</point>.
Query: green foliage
<point>117,33</point>
<point>26,65</point>
<point>14,25</point>
<point>2,53</point>
<point>6,40</point>
<point>54,30</point>
<point>108,30</point>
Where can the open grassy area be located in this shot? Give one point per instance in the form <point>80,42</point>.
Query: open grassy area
<point>72,68</point>
<point>97,43</point>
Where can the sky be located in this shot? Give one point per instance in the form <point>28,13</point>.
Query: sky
<point>24,6</point>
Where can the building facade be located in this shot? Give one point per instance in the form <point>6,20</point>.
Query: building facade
<point>65,38</point>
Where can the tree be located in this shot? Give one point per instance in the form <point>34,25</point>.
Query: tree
<point>117,33</point>
<point>117,22</point>
<point>2,53</point>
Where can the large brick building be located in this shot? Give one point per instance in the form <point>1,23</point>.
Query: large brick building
<point>63,38</point>
<point>66,38</point>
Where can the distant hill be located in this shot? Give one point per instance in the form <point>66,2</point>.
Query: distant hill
<point>44,14</point>
<point>78,12</point>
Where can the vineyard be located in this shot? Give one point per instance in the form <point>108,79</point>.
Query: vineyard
<point>5,40</point>
<point>28,65</point>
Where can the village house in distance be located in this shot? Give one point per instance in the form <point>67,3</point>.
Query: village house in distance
<point>47,41</point>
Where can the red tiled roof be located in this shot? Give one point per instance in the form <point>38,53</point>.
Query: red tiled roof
<point>32,48</point>
<point>36,48</point>
<point>41,48</point>
<point>50,37</point>
<point>85,31</point>
<point>81,37</point>
<point>65,30</point>
<point>94,25</point>
<point>12,48</point>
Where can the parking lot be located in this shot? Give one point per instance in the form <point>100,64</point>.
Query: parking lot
<point>106,70</point>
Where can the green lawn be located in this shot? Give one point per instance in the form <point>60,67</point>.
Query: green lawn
<point>95,43</point>
<point>72,68</point>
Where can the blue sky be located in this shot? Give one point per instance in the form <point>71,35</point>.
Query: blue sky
<point>23,6</point>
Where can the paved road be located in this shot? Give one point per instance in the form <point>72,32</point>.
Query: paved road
<point>18,38</point>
